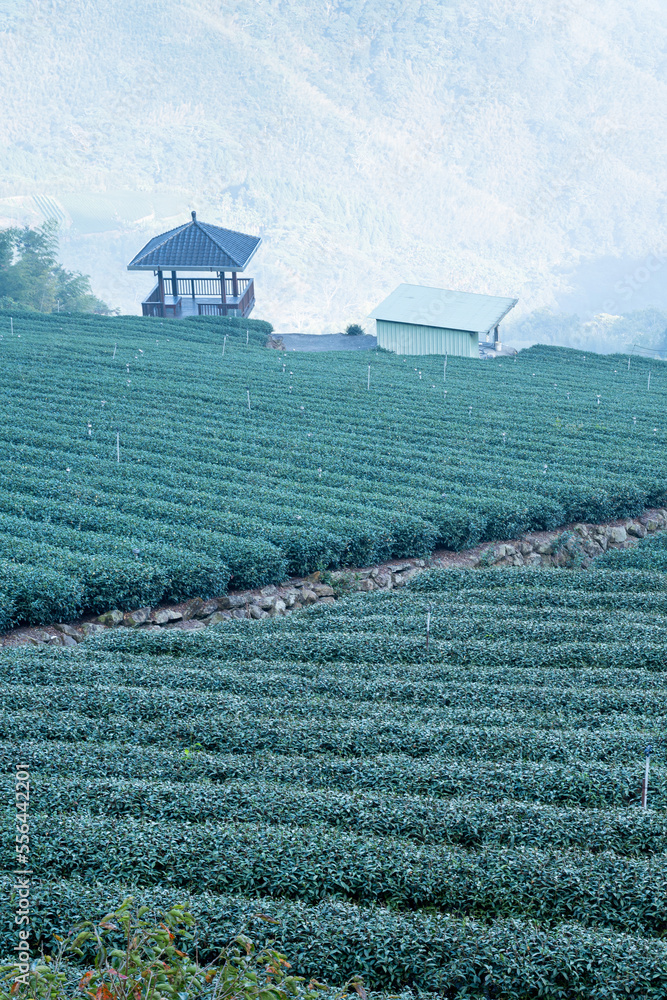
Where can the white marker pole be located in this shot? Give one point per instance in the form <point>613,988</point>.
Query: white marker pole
<point>118,446</point>
<point>11,324</point>
<point>444,371</point>
<point>248,394</point>
<point>223,345</point>
<point>628,362</point>
<point>246,335</point>
<point>645,783</point>
<point>114,350</point>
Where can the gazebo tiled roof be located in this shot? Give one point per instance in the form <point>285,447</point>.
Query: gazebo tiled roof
<point>196,246</point>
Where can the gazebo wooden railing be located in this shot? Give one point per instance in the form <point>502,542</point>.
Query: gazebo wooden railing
<point>232,307</point>
<point>206,287</point>
<point>188,304</point>
<point>152,307</point>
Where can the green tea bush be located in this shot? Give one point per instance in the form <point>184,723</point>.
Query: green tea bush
<point>464,820</point>
<point>467,822</point>
<point>510,960</point>
<point>257,464</point>
<point>315,863</point>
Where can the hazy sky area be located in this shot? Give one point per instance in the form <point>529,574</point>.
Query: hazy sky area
<point>514,147</point>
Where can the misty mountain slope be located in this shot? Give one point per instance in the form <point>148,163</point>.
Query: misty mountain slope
<point>491,146</point>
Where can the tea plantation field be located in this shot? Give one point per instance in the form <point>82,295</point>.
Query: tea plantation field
<point>145,461</point>
<point>464,821</point>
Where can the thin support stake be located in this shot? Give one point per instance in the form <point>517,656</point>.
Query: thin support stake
<point>223,345</point>
<point>248,395</point>
<point>11,324</point>
<point>645,782</point>
<point>114,350</point>
<point>247,333</point>
<point>628,362</point>
<point>369,377</point>
<point>118,446</point>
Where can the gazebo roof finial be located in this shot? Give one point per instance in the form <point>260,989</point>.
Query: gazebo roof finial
<point>194,216</point>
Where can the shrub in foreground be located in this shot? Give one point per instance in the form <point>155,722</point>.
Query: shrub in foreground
<point>136,957</point>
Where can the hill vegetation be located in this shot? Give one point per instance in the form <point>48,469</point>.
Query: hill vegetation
<point>463,819</point>
<point>146,461</point>
<point>494,146</point>
<point>31,277</point>
<point>643,332</point>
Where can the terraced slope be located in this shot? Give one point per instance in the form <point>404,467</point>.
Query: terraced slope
<point>143,461</point>
<point>650,554</point>
<point>465,817</point>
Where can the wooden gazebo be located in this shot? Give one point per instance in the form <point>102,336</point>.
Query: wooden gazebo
<point>196,247</point>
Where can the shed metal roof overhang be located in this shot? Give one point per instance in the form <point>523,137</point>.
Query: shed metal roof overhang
<point>196,246</point>
<point>420,305</point>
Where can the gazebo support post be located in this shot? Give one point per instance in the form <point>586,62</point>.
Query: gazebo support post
<point>174,285</point>
<point>223,293</point>
<point>160,281</point>
<point>235,285</point>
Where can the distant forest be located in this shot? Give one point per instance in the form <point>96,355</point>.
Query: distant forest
<point>492,146</point>
<point>642,331</point>
<point>32,278</point>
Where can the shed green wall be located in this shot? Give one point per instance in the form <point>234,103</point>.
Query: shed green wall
<point>405,338</point>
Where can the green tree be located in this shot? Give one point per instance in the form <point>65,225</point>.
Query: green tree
<point>32,278</point>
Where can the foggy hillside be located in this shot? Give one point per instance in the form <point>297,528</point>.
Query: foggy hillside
<point>514,147</point>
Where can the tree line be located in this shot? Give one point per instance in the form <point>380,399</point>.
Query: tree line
<point>32,278</point>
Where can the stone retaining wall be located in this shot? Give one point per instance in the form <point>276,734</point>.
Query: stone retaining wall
<point>575,547</point>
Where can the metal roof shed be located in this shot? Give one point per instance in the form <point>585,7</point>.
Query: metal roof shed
<point>416,319</point>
